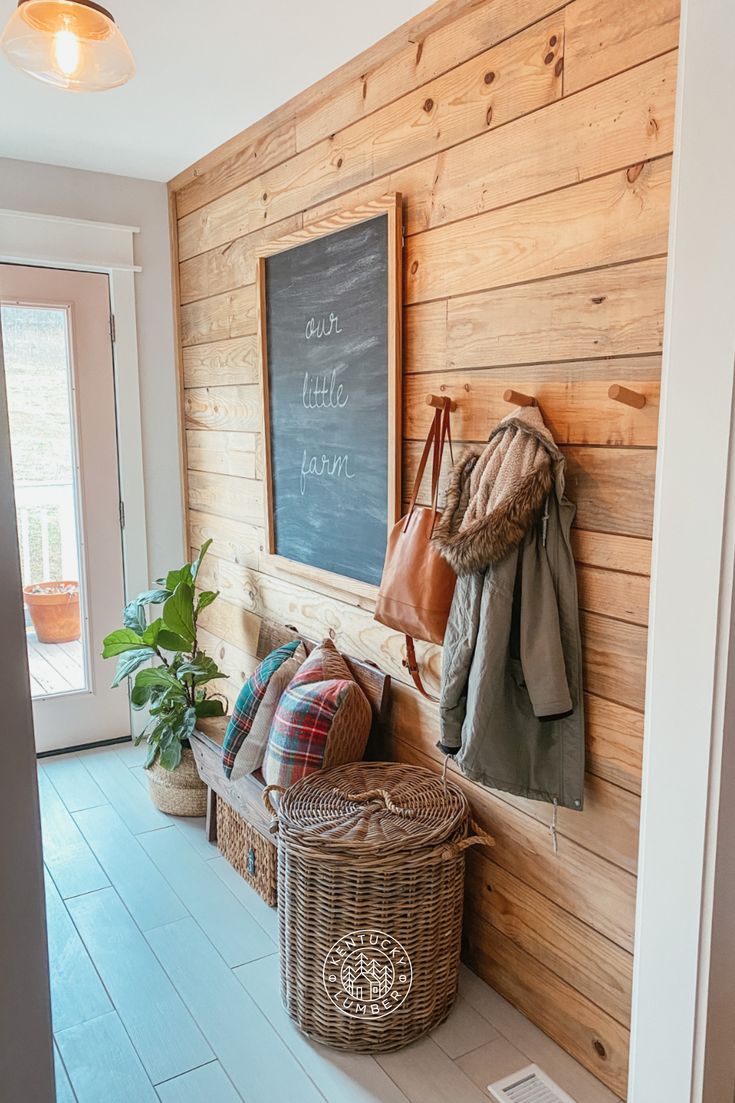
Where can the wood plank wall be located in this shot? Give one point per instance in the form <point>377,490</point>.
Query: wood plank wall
<point>532,142</point>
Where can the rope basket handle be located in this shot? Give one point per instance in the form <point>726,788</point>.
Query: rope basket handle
<point>477,838</point>
<point>266,797</point>
<point>376,794</point>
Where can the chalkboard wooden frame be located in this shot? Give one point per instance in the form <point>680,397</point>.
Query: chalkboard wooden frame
<point>392,206</point>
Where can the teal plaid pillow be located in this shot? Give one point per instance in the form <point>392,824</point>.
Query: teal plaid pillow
<point>284,661</point>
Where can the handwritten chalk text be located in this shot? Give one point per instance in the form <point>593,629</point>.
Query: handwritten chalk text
<point>322,327</point>
<point>333,466</point>
<point>323,392</point>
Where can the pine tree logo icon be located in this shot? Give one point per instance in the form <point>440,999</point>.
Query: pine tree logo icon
<point>367,974</point>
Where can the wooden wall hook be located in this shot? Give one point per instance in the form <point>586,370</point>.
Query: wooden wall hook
<point>624,394</point>
<point>437,400</point>
<point>518,398</point>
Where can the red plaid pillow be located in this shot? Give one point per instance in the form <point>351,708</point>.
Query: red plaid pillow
<point>317,724</point>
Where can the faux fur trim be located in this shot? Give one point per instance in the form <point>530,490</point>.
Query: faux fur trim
<point>488,539</point>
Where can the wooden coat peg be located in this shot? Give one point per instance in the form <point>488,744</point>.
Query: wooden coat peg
<point>624,394</point>
<point>437,401</point>
<point>518,399</point>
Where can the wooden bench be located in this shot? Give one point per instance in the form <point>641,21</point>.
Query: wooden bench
<point>244,795</point>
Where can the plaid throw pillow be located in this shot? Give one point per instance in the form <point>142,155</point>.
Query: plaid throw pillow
<point>247,732</point>
<point>317,724</point>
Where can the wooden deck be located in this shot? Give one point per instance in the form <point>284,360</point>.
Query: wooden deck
<point>54,667</point>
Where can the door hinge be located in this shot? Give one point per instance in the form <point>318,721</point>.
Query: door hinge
<point>112,328</point>
<point>122,514</point>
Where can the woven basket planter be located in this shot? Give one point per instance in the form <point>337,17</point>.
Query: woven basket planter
<point>371,863</point>
<point>253,855</point>
<point>180,792</point>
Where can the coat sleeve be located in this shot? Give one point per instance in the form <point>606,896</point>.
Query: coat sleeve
<point>459,648</point>
<point>542,653</point>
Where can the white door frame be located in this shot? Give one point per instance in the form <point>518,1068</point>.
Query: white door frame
<point>52,242</point>
<point>691,596</point>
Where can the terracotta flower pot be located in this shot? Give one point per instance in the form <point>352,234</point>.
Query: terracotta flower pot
<point>54,610</point>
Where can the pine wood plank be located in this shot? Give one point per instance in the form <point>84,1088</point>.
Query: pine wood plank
<point>102,1064</point>
<point>232,624</point>
<point>515,77</point>
<point>77,993</point>
<point>608,312</point>
<point>602,972</point>
<point>614,553</point>
<point>599,893</point>
<point>427,1075</point>
<point>614,656</point>
<point>238,541</point>
<point>146,894</point>
<point>234,409</point>
<point>425,337</point>
<point>236,664</point>
<point>607,36</point>
<point>222,453</point>
<point>614,218</point>
<point>614,742</point>
<point>576,410</point>
<point>250,1051</point>
<point>621,123</point>
<point>143,996</point>
<point>221,363</point>
<point>227,496</point>
<point>232,314</point>
<point>614,594</point>
<point>596,1040</point>
<point>612,488</point>
<point>231,265</point>
<point>130,801</point>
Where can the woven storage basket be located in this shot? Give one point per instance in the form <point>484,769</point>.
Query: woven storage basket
<point>370,892</point>
<point>180,792</point>
<point>250,853</point>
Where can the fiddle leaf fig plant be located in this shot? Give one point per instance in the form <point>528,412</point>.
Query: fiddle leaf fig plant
<point>177,690</point>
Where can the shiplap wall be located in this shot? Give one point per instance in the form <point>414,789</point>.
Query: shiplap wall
<point>532,142</point>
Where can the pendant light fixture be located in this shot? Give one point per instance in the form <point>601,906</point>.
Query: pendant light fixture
<point>74,44</point>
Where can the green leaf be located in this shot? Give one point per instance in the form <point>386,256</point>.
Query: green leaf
<point>150,636</point>
<point>150,758</point>
<point>157,676</point>
<point>169,641</point>
<point>173,578</point>
<point>206,598</point>
<point>201,668</point>
<point>124,639</point>
<point>210,706</point>
<point>153,597</point>
<point>140,696</point>
<point>178,612</point>
<point>134,616</point>
<point>198,561</point>
<point>130,661</point>
<point>170,756</point>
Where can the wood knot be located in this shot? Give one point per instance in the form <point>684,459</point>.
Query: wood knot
<point>634,172</point>
<point>553,40</point>
<point>265,196</point>
<point>364,88</point>
<point>597,299</point>
<point>549,58</point>
<point>414,268</point>
<point>428,105</point>
<point>599,1049</point>
<point>332,634</point>
<point>652,125</point>
<point>489,77</point>
<point>340,162</point>
<point>489,116</point>
<point>559,67</point>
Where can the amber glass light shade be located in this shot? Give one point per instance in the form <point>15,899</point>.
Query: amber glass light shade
<point>73,44</point>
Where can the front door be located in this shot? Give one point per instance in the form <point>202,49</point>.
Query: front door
<point>57,352</point>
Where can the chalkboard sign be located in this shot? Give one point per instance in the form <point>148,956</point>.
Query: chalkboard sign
<point>329,299</point>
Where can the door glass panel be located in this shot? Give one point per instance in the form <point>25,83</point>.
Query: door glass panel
<point>39,387</point>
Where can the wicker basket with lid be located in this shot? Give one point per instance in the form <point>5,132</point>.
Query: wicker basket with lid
<point>370,888</point>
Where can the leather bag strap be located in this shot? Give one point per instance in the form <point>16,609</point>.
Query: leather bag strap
<point>412,666</point>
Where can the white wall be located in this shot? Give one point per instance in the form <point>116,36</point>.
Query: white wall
<point>72,193</point>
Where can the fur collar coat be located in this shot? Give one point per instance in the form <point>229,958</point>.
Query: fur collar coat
<point>511,696</point>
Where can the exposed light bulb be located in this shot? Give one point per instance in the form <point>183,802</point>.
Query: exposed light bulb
<point>66,52</point>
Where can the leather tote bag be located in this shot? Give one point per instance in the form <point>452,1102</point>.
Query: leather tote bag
<point>417,585</point>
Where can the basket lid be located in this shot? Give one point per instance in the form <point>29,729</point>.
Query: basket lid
<point>372,807</point>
